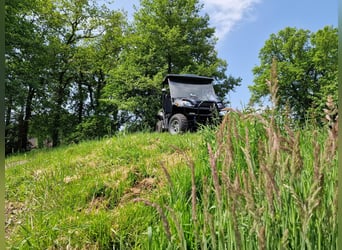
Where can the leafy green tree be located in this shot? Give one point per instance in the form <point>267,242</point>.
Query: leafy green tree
<point>24,84</point>
<point>77,68</point>
<point>69,24</point>
<point>94,61</point>
<point>325,59</point>
<point>58,54</point>
<point>165,37</point>
<point>306,70</point>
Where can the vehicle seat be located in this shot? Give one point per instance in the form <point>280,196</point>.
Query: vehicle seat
<point>167,104</point>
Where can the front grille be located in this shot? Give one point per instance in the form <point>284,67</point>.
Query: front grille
<point>206,104</point>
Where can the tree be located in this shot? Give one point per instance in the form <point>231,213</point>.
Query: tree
<point>25,55</point>
<point>75,33</point>
<point>95,60</point>
<point>325,59</point>
<point>58,54</point>
<point>306,69</point>
<point>70,24</point>
<point>165,37</point>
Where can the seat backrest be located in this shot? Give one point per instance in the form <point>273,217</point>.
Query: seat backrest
<point>167,104</point>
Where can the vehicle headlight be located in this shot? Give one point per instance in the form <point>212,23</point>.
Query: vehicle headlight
<point>183,103</point>
<point>186,104</point>
<point>220,105</point>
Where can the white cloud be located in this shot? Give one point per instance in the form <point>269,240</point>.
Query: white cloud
<point>225,14</point>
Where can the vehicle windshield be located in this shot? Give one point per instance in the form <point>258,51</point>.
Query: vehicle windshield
<point>203,92</point>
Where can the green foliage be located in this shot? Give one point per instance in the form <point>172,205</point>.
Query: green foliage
<point>176,37</point>
<point>57,63</point>
<point>255,181</point>
<point>165,37</point>
<point>92,128</point>
<point>76,46</point>
<point>71,63</point>
<point>255,184</point>
<point>306,70</point>
<point>24,52</point>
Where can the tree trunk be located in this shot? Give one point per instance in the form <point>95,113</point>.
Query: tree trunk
<point>63,83</point>
<point>80,103</point>
<point>57,117</point>
<point>100,84</point>
<point>8,117</point>
<point>24,122</point>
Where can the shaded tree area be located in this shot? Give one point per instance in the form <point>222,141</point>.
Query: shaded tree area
<point>24,80</point>
<point>76,70</point>
<point>58,54</point>
<point>306,71</point>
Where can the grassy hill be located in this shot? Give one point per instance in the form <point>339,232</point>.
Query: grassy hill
<point>253,182</point>
<point>80,195</point>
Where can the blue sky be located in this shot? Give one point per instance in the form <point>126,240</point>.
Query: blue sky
<point>243,26</point>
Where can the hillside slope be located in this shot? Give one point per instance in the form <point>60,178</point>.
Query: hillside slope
<point>75,194</point>
<point>255,182</point>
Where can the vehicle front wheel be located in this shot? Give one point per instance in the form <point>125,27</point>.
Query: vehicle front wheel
<point>178,124</point>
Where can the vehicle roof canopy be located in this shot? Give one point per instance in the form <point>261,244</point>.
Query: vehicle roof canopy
<point>187,78</point>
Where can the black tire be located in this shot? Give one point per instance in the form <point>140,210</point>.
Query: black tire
<point>178,124</point>
<point>159,126</point>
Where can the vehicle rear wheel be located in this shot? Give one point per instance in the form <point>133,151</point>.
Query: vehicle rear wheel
<point>159,126</point>
<point>178,124</point>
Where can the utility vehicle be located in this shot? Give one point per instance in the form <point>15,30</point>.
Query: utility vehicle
<point>187,101</point>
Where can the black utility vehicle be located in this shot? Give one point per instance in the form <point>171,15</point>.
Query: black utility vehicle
<point>188,100</point>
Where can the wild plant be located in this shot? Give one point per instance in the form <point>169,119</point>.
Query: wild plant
<point>265,184</point>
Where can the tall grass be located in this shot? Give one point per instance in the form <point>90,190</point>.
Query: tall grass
<point>257,184</point>
<point>259,181</point>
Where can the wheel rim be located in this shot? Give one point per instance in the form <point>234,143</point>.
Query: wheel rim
<point>174,126</point>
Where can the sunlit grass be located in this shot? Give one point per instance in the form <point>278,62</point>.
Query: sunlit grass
<point>76,196</point>
<point>251,183</point>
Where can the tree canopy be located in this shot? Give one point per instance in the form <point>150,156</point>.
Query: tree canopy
<point>78,70</point>
<point>165,37</point>
<point>55,66</point>
<point>306,70</point>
